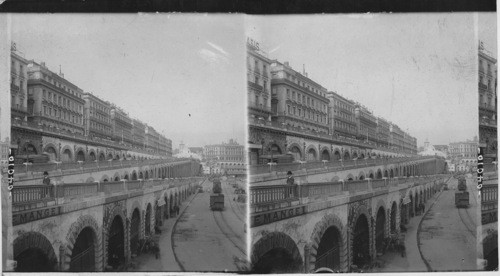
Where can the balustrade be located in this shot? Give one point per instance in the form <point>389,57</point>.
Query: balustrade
<point>27,194</point>
<point>262,195</point>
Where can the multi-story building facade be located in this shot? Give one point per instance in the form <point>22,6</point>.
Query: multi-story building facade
<point>366,123</point>
<point>18,84</point>
<point>297,100</point>
<point>138,134</point>
<point>54,101</point>
<point>487,101</point>
<point>383,131</point>
<point>258,82</point>
<point>97,117</point>
<point>122,125</point>
<point>152,139</point>
<point>225,152</point>
<point>341,116</point>
<point>467,149</point>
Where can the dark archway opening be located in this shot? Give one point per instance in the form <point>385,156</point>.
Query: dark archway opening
<point>328,253</point>
<point>379,230</point>
<point>337,155</point>
<point>147,220</point>
<point>135,223</point>
<point>361,241</point>
<point>83,254</point>
<point>134,176</point>
<point>276,260</point>
<point>33,260</point>
<point>492,260</point>
<point>80,156</point>
<point>116,250</point>
<point>325,155</point>
<point>379,174</point>
<point>393,218</point>
<point>92,156</point>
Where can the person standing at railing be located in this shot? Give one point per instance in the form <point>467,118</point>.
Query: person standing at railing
<point>46,182</point>
<point>290,182</point>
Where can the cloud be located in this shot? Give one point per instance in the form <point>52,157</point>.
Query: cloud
<point>212,57</point>
<point>218,48</point>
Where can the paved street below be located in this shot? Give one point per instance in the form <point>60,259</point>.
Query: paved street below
<point>445,240</point>
<point>206,240</point>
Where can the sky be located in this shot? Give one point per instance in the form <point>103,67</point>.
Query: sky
<point>184,75</point>
<point>416,70</point>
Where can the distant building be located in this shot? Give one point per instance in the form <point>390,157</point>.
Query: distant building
<point>225,152</point>
<point>442,148</point>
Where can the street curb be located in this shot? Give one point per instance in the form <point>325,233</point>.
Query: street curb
<point>173,230</point>
<point>429,268</point>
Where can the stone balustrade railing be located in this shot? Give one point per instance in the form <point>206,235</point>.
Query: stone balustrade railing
<point>283,168</point>
<point>272,194</point>
<point>29,194</point>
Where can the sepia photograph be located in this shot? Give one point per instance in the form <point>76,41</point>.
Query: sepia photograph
<point>128,136</point>
<point>363,142</point>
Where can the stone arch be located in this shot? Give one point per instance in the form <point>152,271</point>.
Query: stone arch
<point>102,156</point>
<point>361,175</point>
<point>51,150</point>
<point>134,175</point>
<point>90,180</point>
<point>275,240</point>
<point>117,157</point>
<point>362,156</point>
<point>386,173</point>
<point>350,177</point>
<point>105,178</point>
<point>380,230</point>
<point>80,154</point>
<point>346,156</point>
<point>34,240</point>
<point>74,230</point>
<point>112,211</point>
<point>92,155</point>
<point>148,219</point>
<point>116,177</point>
<point>391,173</point>
<point>355,155</point>
<point>66,154</point>
<point>371,175</point>
<point>356,211</point>
<point>393,217</point>
<point>311,153</point>
<point>110,156</point>
<point>336,154</point>
<point>379,174</point>
<point>330,220</point>
<point>325,154</point>
<point>141,175</point>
